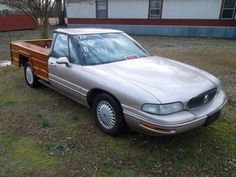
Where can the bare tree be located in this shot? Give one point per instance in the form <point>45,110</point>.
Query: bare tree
<point>38,10</point>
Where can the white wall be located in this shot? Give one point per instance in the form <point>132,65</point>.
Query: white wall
<point>128,8</point>
<point>138,9</point>
<point>84,9</point>
<point>191,9</point>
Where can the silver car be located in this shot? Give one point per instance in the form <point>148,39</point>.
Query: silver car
<point>111,73</point>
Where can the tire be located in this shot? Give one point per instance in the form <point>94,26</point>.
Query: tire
<point>30,79</point>
<point>108,114</point>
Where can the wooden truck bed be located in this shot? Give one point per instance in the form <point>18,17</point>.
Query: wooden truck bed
<point>35,51</point>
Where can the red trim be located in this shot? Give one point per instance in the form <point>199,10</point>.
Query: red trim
<point>16,22</point>
<point>170,22</point>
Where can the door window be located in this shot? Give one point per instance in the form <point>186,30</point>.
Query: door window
<point>73,54</point>
<point>61,46</point>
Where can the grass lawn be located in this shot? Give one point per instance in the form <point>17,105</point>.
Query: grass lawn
<point>43,133</point>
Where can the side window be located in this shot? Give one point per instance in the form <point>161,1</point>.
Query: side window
<point>73,54</point>
<point>155,9</point>
<point>60,48</point>
<point>228,9</point>
<point>101,7</point>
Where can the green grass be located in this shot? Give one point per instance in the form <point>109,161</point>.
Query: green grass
<point>21,156</point>
<point>43,133</point>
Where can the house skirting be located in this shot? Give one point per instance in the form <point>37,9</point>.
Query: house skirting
<point>193,31</point>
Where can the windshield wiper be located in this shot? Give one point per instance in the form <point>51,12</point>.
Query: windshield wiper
<point>130,57</point>
<point>113,61</point>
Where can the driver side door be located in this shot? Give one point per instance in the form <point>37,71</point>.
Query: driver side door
<point>65,77</point>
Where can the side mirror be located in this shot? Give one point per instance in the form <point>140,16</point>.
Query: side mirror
<point>63,60</point>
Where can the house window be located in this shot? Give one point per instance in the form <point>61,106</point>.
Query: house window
<point>228,9</point>
<point>155,8</point>
<point>101,8</point>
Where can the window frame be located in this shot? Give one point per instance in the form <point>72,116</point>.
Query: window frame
<point>150,9</point>
<point>97,10</point>
<point>71,39</point>
<point>223,8</point>
<point>53,53</point>
<point>53,44</point>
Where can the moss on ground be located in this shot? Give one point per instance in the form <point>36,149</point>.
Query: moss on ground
<point>20,156</point>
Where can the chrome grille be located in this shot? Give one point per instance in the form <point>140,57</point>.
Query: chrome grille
<point>202,99</point>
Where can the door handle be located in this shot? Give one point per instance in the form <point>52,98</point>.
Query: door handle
<point>52,64</point>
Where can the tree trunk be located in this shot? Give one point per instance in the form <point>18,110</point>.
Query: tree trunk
<point>62,19</point>
<point>62,12</point>
<point>44,28</point>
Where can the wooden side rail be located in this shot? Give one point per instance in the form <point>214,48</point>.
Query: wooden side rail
<point>32,51</point>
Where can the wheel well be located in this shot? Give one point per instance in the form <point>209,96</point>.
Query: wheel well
<point>23,60</point>
<point>94,92</point>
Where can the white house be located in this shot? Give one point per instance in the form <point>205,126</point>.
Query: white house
<point>211,18</point>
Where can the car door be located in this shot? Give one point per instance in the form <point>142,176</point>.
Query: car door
<point>66,77</point>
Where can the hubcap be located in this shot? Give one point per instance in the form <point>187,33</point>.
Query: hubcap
<point>106,114</point>
<point>29,75</point>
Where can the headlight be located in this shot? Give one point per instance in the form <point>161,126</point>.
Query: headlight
<point>162,109</point>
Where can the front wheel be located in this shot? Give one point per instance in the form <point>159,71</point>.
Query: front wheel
<point>30,78</point>
<point>108,114</point>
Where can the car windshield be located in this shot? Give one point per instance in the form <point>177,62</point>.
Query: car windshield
<point>97,49</point>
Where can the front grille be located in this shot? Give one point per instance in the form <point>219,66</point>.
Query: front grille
<point>202,99</point>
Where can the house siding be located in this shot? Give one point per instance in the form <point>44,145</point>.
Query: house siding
<point>199,18</point>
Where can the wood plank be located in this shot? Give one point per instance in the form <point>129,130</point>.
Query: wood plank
<point>36,53</point>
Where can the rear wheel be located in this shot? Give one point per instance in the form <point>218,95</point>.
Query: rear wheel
<point>108,114</point>
<point>30,78</point>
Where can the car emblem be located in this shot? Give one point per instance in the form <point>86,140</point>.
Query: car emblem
<point>206,98</point>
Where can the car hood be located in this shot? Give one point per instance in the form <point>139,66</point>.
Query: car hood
<point>167,80</point>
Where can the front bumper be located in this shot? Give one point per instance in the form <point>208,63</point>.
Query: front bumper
<point>173,123</point>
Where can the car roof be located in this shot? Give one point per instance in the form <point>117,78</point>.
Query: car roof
<point>74,31</point>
